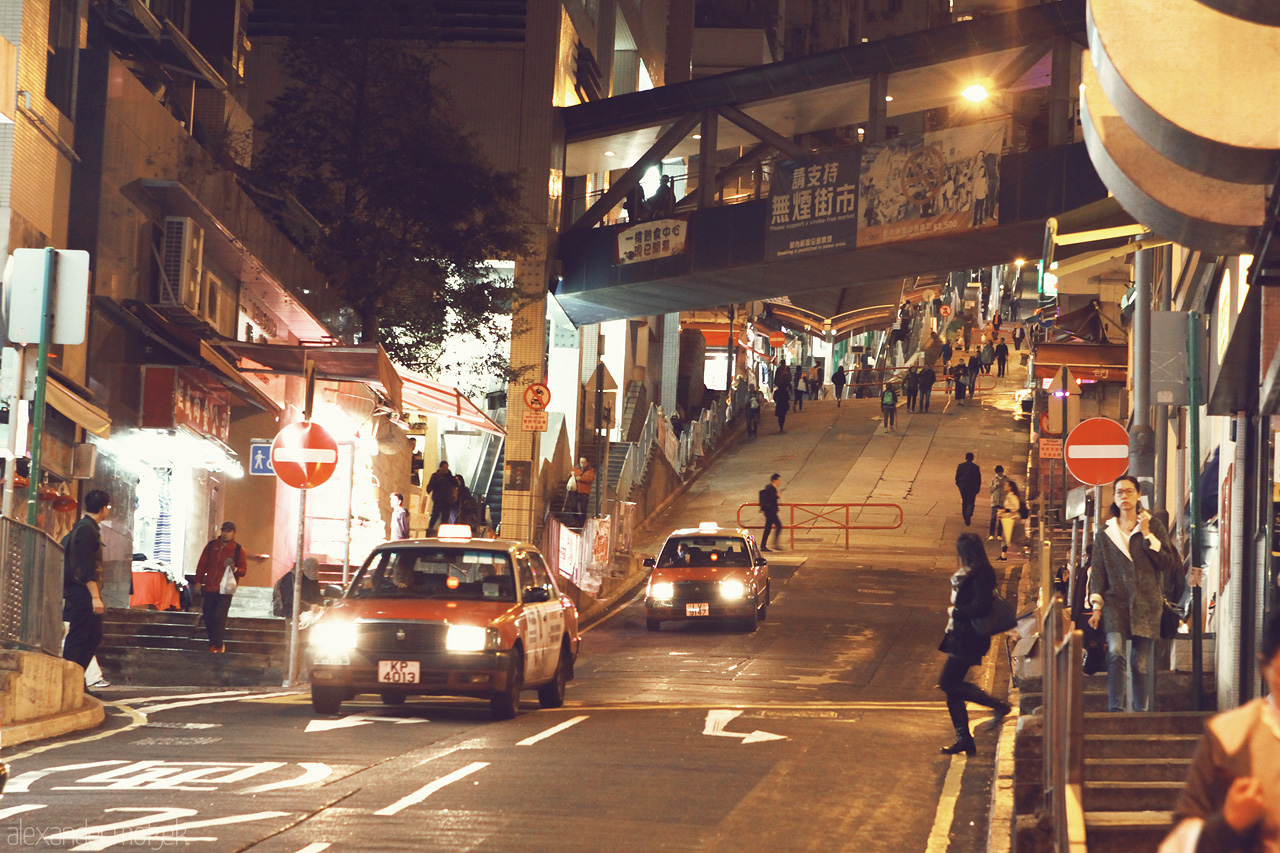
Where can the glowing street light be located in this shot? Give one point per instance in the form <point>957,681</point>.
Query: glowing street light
<point>976,93</point>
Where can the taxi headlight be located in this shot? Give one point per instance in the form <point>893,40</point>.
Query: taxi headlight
<point>733,589</point>
<point>662,590</point>
<point>333,637</point>
<point>469,638</point>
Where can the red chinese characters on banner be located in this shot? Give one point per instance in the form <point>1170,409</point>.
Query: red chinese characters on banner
<point>182,396</point>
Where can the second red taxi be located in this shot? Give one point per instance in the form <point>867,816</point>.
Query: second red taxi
<point>708,572</point>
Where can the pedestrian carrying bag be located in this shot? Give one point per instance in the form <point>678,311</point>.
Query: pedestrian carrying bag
<point>1002,617</point>
<point>228,585</point>
<point>886,399</point>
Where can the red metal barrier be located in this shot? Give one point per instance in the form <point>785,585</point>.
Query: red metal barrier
<point>826,517</point>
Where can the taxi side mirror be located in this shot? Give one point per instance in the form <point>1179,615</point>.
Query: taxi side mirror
<point>648,562</point>
<point>332,591</point>
<point>537,595</point>
<point>761,561</point>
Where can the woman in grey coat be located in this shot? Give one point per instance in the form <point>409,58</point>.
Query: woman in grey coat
<point>1135,568</point>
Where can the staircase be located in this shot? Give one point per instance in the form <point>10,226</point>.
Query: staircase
<point>153,648</point>
<point>493,495</point>
<point>1134,767</point>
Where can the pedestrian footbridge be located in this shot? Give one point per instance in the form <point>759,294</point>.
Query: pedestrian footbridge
<point>831,178</point>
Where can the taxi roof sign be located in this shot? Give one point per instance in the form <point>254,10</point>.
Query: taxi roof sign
<point>453,531</point>
<point>708,527</point>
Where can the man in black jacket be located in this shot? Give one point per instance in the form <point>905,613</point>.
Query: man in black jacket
<point>969,482</point>
<point>769,506</point>
<point>443,489</point>
<point>82,605</point>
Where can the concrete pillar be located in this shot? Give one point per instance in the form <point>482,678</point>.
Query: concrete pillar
<point>1161,422</point>
<point>1061,94</point>
<point>541,154</point>
<point>678,67</point>
<point>878,108</point>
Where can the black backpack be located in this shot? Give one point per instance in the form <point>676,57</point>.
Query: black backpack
<point>1022,509</point>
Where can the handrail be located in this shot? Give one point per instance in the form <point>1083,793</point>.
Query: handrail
<point>814,513</point>
<point>1062,655</point>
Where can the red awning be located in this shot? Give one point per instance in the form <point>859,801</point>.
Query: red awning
<point>1098,362</point>
<point>436,398</point>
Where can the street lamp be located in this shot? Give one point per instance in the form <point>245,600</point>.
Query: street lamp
<point>976,93</point>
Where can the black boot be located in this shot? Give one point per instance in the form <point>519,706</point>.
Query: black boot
<point>964,743</point>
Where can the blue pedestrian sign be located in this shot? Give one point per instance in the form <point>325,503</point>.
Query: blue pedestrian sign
<point>260,460</point>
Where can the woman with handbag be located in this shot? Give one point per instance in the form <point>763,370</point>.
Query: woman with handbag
<point>973,596</point>
<point>1135,568</point>
<point>1012,511</point>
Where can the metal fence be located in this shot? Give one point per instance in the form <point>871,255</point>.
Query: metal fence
<point>1062,655</point>
<point>30,588</point>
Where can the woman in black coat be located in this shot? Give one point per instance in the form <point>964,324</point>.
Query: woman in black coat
<point>972,592</point>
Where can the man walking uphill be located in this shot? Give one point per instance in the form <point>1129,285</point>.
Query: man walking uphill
<point>969,482</point>
<point>443,488</point>
<point>996,488</point>
<point>220,556</point>
<point>769,506</point>
<point>82,580</point>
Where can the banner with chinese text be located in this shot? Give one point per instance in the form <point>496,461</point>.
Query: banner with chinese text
<point>661,238</point>
<point>927,185</point>
<point>813,204</point>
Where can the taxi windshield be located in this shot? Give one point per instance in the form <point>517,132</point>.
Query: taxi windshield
<point>461,574</point>
<point>705,552</point>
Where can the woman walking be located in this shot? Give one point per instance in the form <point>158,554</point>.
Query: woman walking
<point>972,593</point>
<point>782,404</point>
<point>911,384</point>
<point>1010,515</point>
<point>961,380</point>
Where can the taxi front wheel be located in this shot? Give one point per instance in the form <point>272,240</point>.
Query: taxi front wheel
<point>505,705</point>
<point>325,700</point>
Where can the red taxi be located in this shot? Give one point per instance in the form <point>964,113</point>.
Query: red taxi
<point>707,572</point>
<point>450,616</point>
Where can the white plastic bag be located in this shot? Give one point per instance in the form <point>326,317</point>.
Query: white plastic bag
<point>228,585</point>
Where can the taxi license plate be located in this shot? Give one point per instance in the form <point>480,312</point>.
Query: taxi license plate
<point>697,609</point>
<point>398,672</point>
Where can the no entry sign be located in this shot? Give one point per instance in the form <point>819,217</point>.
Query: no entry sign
<point>304,455</point>
<point>1097,451</point>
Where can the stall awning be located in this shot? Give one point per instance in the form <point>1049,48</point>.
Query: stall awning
<point>1236,388</point>
<point>75,407</point>
<point>436,398</point>
<point>366,363</point>
<point>1098,362</point>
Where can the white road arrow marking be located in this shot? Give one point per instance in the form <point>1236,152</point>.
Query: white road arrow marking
<point>13,810</point>
<point>718,718</point>
<point>356,720</point>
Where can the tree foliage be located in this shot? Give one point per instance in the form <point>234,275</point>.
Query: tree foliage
<point>409,211</point>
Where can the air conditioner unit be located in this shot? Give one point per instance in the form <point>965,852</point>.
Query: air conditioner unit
<point>183,262</point>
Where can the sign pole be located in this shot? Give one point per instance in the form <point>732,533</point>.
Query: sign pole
<point>1193,453</point>
<point>309,377</point>
<point>42,372</point>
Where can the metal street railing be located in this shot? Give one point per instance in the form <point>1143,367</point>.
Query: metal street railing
<point>1063,667</point>
<point>832,517</point>
<point>30,588</point>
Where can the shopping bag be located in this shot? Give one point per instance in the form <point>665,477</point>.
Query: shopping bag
<point>228,585</point>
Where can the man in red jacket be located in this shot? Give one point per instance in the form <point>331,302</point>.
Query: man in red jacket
<point>219,555</point>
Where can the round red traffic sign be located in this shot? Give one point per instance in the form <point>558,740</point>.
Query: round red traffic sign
<point>304,455</point>
<point>777,339</point>
<point>1097,451</point>
<point>537,396</point>
<point>944,310</point>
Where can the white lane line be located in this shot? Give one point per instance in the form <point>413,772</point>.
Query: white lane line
<point>430,788</point>
<point>554,730</point>
<point>151,709</point>
<point>316,847</point>
<point>940,835</point>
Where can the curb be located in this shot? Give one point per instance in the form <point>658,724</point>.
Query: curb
<point>88,716</point>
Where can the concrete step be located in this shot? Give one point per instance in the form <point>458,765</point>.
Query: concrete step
<point>1130,796</point>
<point>1139,746</point>
<point>1125,832</point>
<point>1135,770</point>
<point>191,668</point>
<point>1160,722</point>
